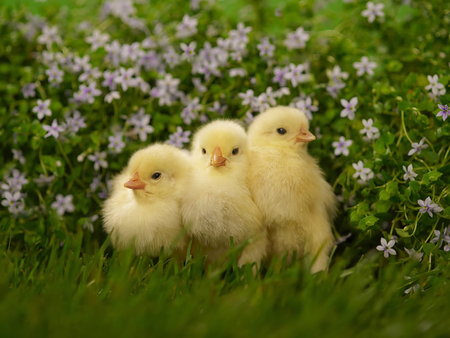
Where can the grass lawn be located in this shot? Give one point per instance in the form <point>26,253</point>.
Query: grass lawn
<point>58,278</point>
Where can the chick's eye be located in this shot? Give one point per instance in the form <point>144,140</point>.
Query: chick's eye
<point>235,151</point>
<point>281,131</point>
<point>156,176</point>
<point>203,151</point>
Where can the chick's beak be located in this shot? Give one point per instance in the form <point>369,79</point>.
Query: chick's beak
<point>304,136</point>
<point>217,160</point>
<point>134,182</point>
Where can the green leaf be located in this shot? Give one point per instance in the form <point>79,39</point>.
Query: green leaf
<point>388,138</point>
<point>362,208</point>
<point>428,247</point>
<point>384,195</point>
<point>367,222</point>
<point>392,188</point>
<point>445,169</point>
<point>401,232</point>
<point>431,177</point>
<point>414,186</point>
<point>383,206</point>
<point>379,147</point>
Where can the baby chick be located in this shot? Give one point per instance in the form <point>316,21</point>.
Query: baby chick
<point>288,186</point>
<point>144,208</point>
<point>218,204</point>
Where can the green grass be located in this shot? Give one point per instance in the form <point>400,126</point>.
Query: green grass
<point>63,292</point>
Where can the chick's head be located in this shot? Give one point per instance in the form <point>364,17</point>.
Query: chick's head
<point>158,171</point>
<point>220,146</point>
<point>280,127</point>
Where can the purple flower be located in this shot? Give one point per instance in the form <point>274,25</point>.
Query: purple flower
<point>414,255</point>
<point>28,90</point>
<point>99,160</point>
<point>417,147</point>
<point>97,39</point>
<point>409,173</point>
<point>336,74</point>
<point>247,97</point>
<point>187,27</point>
<point>42,109</point>
<point>179,137</point>
<point>361,171</point>
<point>15,181</point>
<point>341,147</point>
<point>143,127</point>
<point>349,108</point>
<point>429,207</point>
<point>265,48</point>
<point>43,180</point>
<point>188,51</point>
<point>116,143</point>
<point>436,87</point>
<point>109,79</point>
<point>53,130</point>
<point>80,63</point>
<point>217,108</point>
<point>171,57</point>
<point>198,85</point>
<point>112,96</point>
<point>63,204</point>
<point>335,88</point>
<point>445,111</point>
<point>438,237</point>
<point>125,78</point>
<point>237,72</point>
<point>18,155</point>
<point>279,74</point>
<point>76,122</point>
<point>297,39</point>
<point>387,247</point>
<point>296,75</point>
<point>306,106</point>
<point>55,75</point>
<point>13,201</point>
<point>150,60</point>
<point>239,36</point>
<point>365,66</point>
<point>49,36</point>
<point>370,131</point>
<point>90,74</point>
<point>372,11</point>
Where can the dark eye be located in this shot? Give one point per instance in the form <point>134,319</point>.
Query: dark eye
<point>203,151</point>
<point>235,151</point>
<point>281,131</point>
<point>155,176</point>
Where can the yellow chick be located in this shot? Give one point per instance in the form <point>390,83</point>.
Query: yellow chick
<point>218,204</point>
<point>144,208</point>
<point>287,185</point>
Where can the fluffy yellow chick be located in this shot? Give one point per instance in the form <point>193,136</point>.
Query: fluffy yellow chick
<point>288,186</point>
<point>218,204</point>
<point>144,208</point>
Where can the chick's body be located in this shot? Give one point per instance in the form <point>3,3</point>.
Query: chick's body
<point>218,204</point>
<point>144,208</point>
<point>288,186</point>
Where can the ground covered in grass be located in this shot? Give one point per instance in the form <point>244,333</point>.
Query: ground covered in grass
<point>84,84</point>
<point>63,292</point>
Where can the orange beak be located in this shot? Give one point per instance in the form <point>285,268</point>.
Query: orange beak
<point>304,136</point>
<point>217,160</point>
<point>134,182</point>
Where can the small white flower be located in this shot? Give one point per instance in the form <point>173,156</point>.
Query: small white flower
<point>112,96</point>
<point>414,255</point>
<point>417,147</point>
<point>341,146</point>
<point>365,66</point>
<point>372,11</point>
<point>349,108</point>
<point>63,204</point>
<point>360,170</point>
<point>429,207</point>
<point>387,247</point>
<point>369,129</point>
<point>409,173</point>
